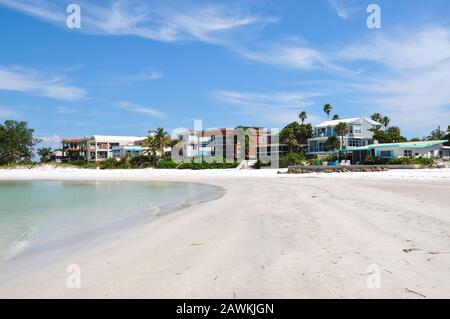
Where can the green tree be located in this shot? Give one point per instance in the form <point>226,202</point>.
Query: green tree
<point>377,117</point>
<point>333,143</point>
<point>391,135</point>
<point>158,141</point>
<point>16,142</point>
<point>342,130</point>
<point>303,116</point>
<point>45,153</point>
<point>335,117</point>
<point>435,135</point>
<point>296,134</point>
<point>385,121</point>
<point>327,108</point>
<point>447,137</point>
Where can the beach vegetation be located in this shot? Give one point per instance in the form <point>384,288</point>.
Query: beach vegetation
<point>158,141</point>
<point>424,161</point>
<point>45,154</point>
<point>16,142</point>
<point>292,158</point>
<point>294,134</point>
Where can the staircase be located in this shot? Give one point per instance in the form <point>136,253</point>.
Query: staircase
<point>246,164</point>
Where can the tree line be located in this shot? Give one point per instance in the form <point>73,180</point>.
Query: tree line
<point>17,142</point>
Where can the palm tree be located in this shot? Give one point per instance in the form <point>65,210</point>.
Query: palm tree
<point>342,130</point>
<point>335,117</point>
<point>385,121</point>
<point>157,141</point>
<point>333,142</point>
<point>303,116</point>
<point>45,154</point>
<point>377,117</point>
<point>327,108</point>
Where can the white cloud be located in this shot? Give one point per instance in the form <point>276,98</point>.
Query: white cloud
<point>64,110</point>
<point>294,53</point>
<point>7,112</point>
<point>340,9</point>
<point>413,83</point>
<point>53,141</point>
<point>277,107</point>
<point>148,19</point>
<point>141,109</point>
<point>404,51</point>
<point>25,80</point>
<point>146,74</point>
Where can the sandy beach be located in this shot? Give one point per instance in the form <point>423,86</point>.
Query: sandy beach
<point>270,236</point>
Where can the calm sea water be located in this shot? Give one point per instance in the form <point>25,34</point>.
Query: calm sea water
<point>41,221</point>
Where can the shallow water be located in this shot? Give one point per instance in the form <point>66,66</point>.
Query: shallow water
<point>43,221</point>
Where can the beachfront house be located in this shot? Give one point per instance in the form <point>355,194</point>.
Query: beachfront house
<point>428,149</point>
<point>73,148</point>
<point>224,143</point>
<point>359,134</point>
<point>100,147</point>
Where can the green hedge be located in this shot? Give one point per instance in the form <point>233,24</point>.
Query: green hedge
<point>291,159</point>
<point>371,160</point>
<point>169,164</point>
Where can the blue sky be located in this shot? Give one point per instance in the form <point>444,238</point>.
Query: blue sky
<point>138,65</point>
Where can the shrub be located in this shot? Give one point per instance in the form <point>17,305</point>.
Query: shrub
<point>166,164</point>
<point>373,160</point>
<point>412,161</point>
<point>292,158</point>
<point>110,163</point>
<point>169,164</point>
<point>141,161</point>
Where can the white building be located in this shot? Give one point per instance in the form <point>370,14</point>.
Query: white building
<point>428,149</point>
<point>359,134</point>
<point>99,147</point>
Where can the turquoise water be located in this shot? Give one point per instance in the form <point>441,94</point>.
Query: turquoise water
<point>41,221</point>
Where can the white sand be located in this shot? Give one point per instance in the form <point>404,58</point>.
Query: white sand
<point>270,236</point>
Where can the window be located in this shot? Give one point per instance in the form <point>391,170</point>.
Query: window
<point>353,143</point>
<point>407,153</point>
<point>262,140</point>
<point>385,154</point>
<point>356,129</point>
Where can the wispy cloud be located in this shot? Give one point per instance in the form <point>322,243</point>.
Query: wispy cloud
<point>53,141</point>
<point>148,19</point>
<point>403,50</point>
<point>295,53</point>
<point>277,107</point>
<point>132,107</point>
<point>146,74</point>
<point>340,9</point>
<point>411,79</point>
<point>65,110</point>
<point>20,79</point>
<point>7,112</point>
<point>345,9</point>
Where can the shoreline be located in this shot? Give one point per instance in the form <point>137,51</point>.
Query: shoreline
<point>270,236</point>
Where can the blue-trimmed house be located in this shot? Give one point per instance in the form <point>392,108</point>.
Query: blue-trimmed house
<point>428,149</point>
